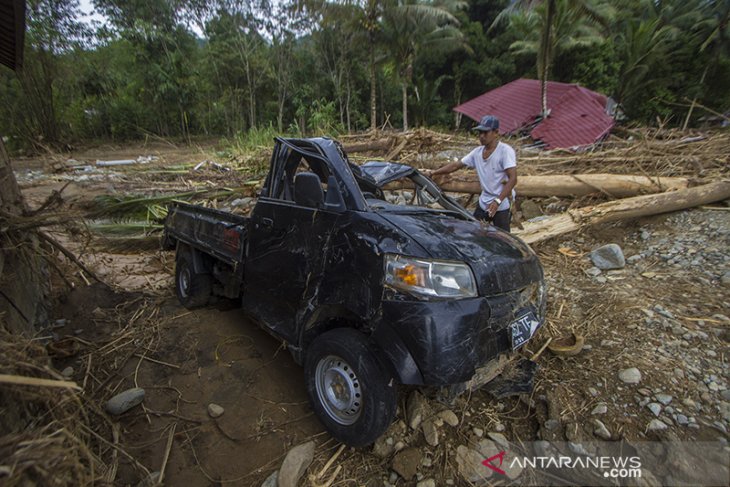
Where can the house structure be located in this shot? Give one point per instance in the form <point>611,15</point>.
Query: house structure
<point>577,117</point>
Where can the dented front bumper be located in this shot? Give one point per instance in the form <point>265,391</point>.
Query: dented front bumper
<point>441,343</point>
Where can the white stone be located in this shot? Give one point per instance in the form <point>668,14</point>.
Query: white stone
<point>215,411</point>
<point>630,376</point>
<point>295,464</point>
<point>124,401</point>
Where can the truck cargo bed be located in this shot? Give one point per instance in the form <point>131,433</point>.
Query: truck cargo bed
<point>218,233</point>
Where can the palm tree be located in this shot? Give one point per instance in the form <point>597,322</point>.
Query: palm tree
<point>559,24</point>
<point>640,45</point>
<point>714,30</point>
<point>413,25</point>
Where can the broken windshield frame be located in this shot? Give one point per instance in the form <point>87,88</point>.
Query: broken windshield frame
<point>377,174</point>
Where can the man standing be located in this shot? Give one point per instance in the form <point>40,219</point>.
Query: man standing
<point>496,166</point>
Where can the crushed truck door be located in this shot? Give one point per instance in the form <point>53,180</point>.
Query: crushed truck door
<point>288,246</point>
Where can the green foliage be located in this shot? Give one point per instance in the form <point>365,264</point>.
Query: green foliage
<point>251,70</point>
<point>253,139</point>
<point>595,67</point>
<point>323,118</point>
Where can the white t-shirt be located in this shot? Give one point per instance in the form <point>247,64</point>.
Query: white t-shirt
<point>492,172</point>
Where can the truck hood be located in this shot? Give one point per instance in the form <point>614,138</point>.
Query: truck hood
<point>500,261</point>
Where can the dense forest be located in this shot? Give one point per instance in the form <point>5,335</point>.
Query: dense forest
<point>237,68</point>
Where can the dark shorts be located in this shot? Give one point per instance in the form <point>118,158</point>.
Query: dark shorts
<point>501,218</point>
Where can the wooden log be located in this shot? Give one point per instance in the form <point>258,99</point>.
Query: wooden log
<point>379,145</point>
<point>612,185</point>
<point>625,209</point>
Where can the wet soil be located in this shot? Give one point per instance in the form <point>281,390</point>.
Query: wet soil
<point>186,360</point>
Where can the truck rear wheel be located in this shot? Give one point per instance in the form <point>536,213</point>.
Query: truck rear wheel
<point>193,289</point>
<point>350,391</point>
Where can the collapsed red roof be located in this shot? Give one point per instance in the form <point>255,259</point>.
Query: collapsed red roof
<point>577,115</point>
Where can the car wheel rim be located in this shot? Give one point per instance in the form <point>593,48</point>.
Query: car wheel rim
<point>184,282</point>
<point>338,390</point>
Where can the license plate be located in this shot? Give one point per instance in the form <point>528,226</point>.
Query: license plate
<point>522,329</point>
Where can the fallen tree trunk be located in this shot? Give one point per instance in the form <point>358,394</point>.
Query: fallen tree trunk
<point>625,209</point>
<point>369,146</point>
<point>612,185</point>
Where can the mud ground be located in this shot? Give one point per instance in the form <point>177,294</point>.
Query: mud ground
<point>186,360</point>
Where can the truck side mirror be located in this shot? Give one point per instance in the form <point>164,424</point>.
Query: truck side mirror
<point>308,190</point>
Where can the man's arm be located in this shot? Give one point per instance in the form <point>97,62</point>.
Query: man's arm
<point>448,168</point>
<point>506,190</point>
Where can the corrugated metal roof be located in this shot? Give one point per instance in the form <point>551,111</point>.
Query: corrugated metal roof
<point>578,119</point>
<point>577,116</point>
<point>12,32</point>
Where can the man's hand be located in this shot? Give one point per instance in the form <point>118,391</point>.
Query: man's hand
<point>492,209</point>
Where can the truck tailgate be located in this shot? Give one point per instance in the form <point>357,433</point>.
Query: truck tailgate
<point>218,233</point>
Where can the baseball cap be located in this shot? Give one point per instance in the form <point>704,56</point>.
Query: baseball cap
<point>487,123</point>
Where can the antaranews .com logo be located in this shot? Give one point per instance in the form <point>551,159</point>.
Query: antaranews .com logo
<point>680,464</point>
<point>613,467</point>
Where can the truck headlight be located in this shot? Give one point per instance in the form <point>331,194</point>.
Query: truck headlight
<point>430,278</point>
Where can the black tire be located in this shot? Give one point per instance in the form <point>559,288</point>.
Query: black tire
<point>350,391</point>
<point>192,289</point>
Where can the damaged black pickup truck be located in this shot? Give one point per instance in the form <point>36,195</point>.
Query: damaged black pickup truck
<point>366,294</point>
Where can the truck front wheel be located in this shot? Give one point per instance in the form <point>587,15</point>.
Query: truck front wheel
<point>192,289</point>
<point>349,390</point>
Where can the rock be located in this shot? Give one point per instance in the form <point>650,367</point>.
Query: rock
<point>656,425</point>
<point>449,417</point>
<point>578,449</point>
<point>544,449</point>
<point>655,408</point>
<point>426,483</point>
<point>499,427</point>
<point>68,372</point>
<point>630,376</point>
<point>663,311</point>
<point>725,395</point>
<point>295,464</point>
<point>593,271</point>
<point>725,279</point>
<point>600,430</point>
<point>573,432</point>
<point>500,439</point>
<point>417,408</point>
<point>215,411</point>
<point>663,398</point>
<point>272,480</point>
<point>478,431</point>
<point>530,209</point>
<point>592,390</point>
<point>430,432</point>
<point>406,463</point>
<point>682,420</point>
<point>552,425</point>
<point>124,401</point>
<point>601,408</point>
<point>383,447</point>
<point>470,465</point>
<point>608,257</point>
